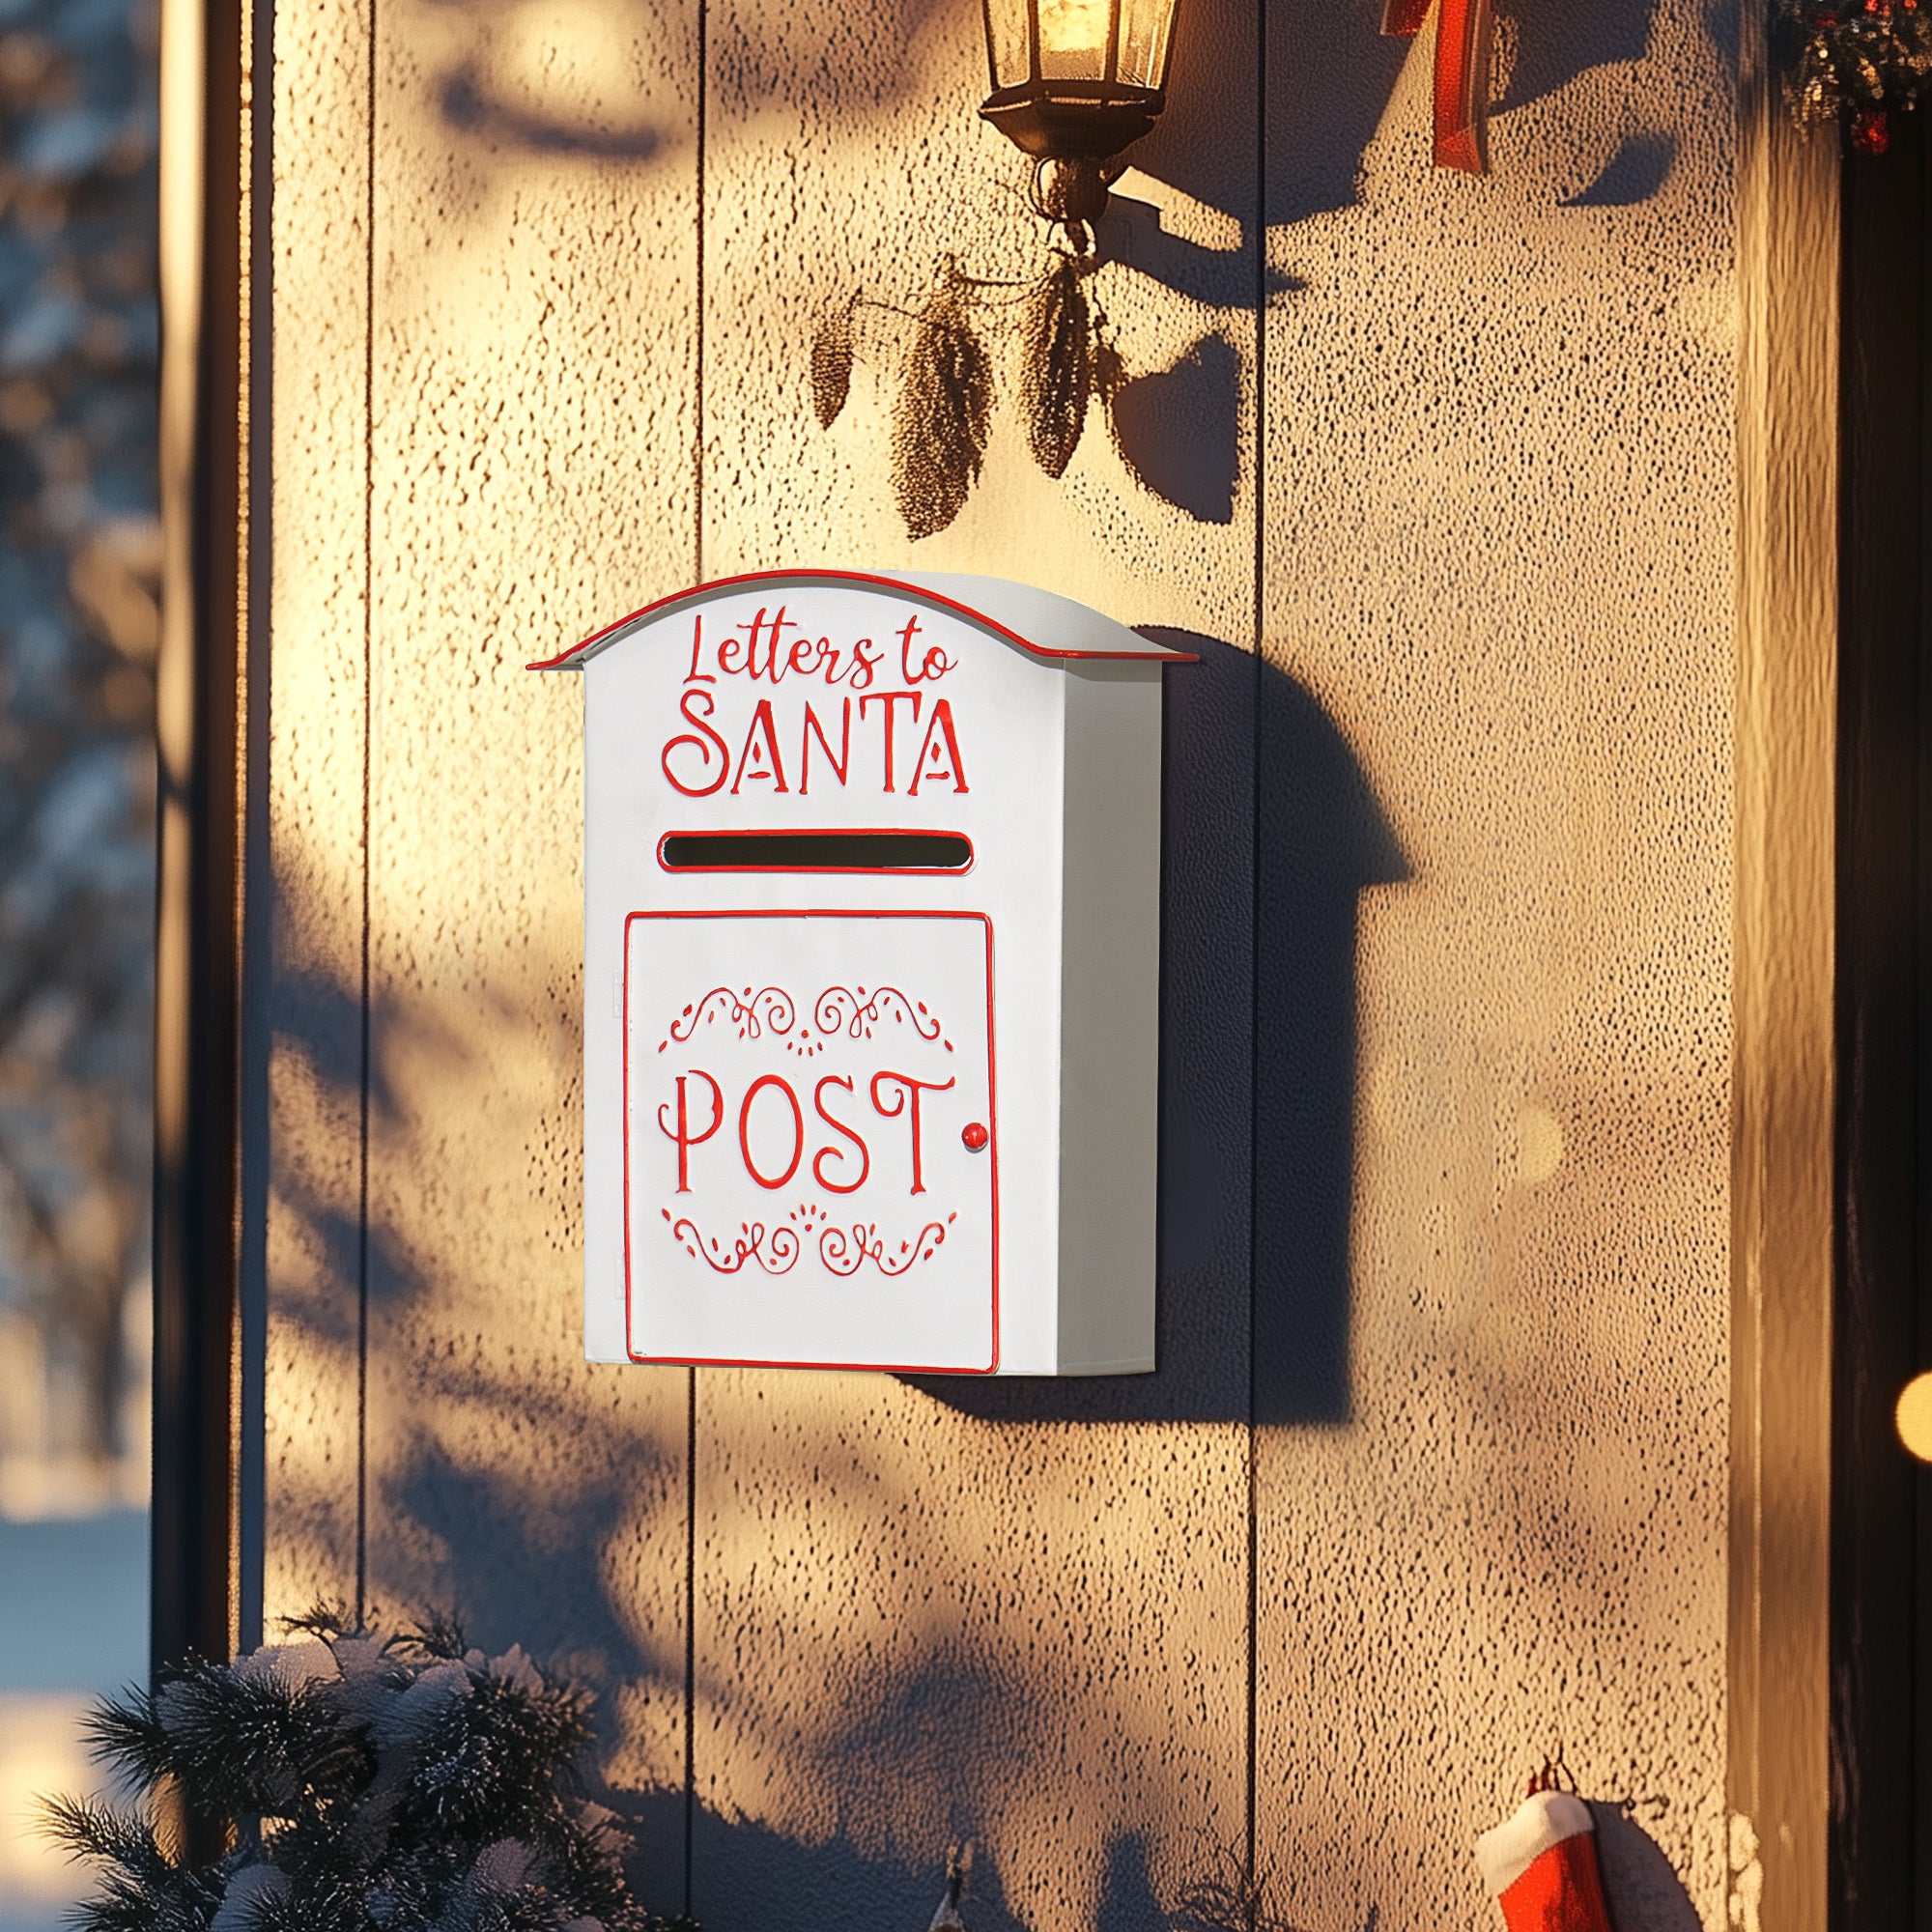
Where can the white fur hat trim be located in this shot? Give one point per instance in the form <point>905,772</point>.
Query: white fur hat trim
<point>1544,1819</point>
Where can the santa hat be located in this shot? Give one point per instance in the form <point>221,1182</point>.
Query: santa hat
<point>1541,1866</point>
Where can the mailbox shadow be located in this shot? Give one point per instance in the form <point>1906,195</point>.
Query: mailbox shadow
<point>1269,835</point>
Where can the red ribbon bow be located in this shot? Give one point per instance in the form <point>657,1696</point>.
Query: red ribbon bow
<point>1462,74</point>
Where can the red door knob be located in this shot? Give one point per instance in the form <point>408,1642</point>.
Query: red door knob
<point>976,1137</point>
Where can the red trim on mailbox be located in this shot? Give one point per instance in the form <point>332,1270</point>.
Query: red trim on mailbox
<point>836,831</point>
<point>993,1150</point>
<point>565,660</point>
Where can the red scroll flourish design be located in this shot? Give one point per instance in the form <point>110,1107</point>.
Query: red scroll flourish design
<point>750,1013</point>
<point>846,1253</point>
<point>1461,75</point>
<point>774,1249</point>
<point>839,1008</point>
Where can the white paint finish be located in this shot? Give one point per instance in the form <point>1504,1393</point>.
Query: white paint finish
<point>832,1061</point>
<point>706,716</point>
<point>1109,1018</point>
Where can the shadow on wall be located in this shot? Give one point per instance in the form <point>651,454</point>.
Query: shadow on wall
<point>1640,1884</point>
<point>1259,890</point>
<point>320,1021</point>
<point>525,1564</point>
<point>1178,430</point>
<point>470,105</point>
<point>1330,73</point>
<point>749,1869</point>
<point>1632,174</point>
<point>524,1567</point>
<point>537,1564</point>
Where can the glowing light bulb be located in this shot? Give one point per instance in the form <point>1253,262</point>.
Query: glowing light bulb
<point>1913,1417</point>
<point>1073,39</point>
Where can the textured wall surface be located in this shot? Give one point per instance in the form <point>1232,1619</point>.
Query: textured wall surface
<point>1436,474</point>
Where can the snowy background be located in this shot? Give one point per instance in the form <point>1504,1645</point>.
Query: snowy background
<point>79,552</point>
<point>73,1597</point>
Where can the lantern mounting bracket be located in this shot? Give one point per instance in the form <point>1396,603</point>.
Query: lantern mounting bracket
<point>1073,120</point>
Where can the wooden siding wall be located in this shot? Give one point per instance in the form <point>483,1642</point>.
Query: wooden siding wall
<point>1439,474</point>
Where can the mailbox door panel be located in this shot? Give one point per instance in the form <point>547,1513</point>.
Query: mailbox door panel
<point>810,1153</point>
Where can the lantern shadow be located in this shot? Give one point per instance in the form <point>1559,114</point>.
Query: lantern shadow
<point>1176,431</point>
<point>1269,835</point>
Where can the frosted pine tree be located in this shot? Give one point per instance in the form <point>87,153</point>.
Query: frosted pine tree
<point>400,1784</point>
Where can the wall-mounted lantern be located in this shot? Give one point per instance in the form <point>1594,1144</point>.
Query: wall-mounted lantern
<point>1074,82</point>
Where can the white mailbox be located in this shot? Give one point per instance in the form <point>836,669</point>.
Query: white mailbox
<point>871,976</point>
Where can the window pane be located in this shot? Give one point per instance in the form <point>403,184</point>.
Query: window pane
<point>1006,41</point>
<point>1144,37</point>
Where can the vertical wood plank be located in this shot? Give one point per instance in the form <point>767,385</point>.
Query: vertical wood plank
<point>315,757</point>
<point>1491,1149</point>
<point>935,1610</point>
<point>534,352</point>
<point>1784,1101</point>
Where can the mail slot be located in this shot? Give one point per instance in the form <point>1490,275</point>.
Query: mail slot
<point>872,975</point>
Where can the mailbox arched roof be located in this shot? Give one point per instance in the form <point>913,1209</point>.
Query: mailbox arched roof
<point>1039,622</point>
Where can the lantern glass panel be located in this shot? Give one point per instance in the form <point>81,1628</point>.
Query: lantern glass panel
<point>1075,39</point>
<point>1145,32</point>
<point>1006,36</point>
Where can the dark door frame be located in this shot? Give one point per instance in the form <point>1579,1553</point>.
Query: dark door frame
<point>1882,1319</point>
<point>211,901</point>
